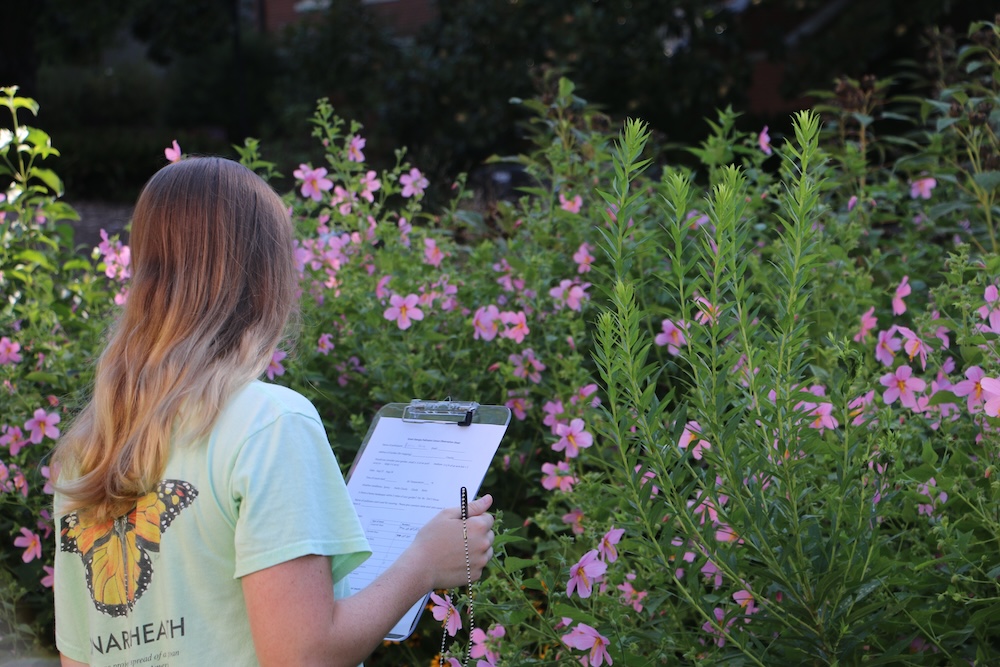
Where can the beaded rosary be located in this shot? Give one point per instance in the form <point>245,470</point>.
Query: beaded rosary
<point>468,573</point>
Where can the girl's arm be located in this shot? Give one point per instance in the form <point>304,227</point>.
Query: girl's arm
<point>295,620</point>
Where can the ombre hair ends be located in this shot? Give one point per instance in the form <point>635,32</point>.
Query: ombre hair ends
<point>213,287</point>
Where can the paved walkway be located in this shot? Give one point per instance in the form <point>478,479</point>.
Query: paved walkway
<point>29,662</point>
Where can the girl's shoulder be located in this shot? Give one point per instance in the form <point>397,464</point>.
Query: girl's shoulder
<point>263,402</point>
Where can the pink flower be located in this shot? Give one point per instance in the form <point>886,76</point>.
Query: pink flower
<point>557,477</point>
<point>902,290</point>
<point>583,258</point>
<point>672,336</point>
<point>486,322</point>
<point>14,438</point>
<point>991,310</point>
<point>314,181</point>
<point>584,573</point>
<point>369,184</point>
<point>606,547</point>
<point>404,231</point>
<point>972,388</point>
<point>712,573</point>
<point>570,294</point>
<point>688,435</point>
<point>900,384</point>
<point>43,424</point>
<point>575,519</point>
<point>822,416</point>
<point>630,595</point>
<point>527,366</point>
<point>717,629</point>
<point>764,141</point>
<point>325,344</point>
<point>858,406</point>
<point>485,644</point>
<point>887,346</point>
<point>571,205</point>
<point>31,543</point>
<point>413,183</point>
<point>380,289</point>
<point>518,404</point>
<point>915,346</point>
<point>707,313</point>
<point>173,153</point>
<point>517,325</point>
<point>276,367</point>
<point>116,256</point>
<point>444,611</point>
<point>343,199</point>
<point>930,490</point>
<point>432,254</point>
<point>49,579</point>
<point>991,392</point>
<point>922,187</point>
<point>9,351</point>
<point>585,638</point>
<point>552,410</point>
<point>745,599</point>
<point>354,147</point>
<point>851,203</point>
<point>572,438</point>
<point>403,310</point>
<point>868,322</point>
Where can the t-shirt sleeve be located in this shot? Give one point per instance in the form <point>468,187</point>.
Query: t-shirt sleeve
<point>292,500</point>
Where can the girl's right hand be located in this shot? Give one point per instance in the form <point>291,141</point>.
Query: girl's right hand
<point>440,545</point>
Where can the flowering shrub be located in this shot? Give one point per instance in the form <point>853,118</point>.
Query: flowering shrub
<point>52,317</point>
<point>755,404</point>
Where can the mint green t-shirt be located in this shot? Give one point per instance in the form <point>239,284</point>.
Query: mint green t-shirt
<point>161,587</point>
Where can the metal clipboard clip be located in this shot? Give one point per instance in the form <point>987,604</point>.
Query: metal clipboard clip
<point>440,412</point>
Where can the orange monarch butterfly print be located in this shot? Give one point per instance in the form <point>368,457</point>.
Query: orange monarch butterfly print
<point>115,553</point>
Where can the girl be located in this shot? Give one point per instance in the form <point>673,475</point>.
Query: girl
<point>202,516</point>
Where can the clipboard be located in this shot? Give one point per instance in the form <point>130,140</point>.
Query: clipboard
<point>413,462</point>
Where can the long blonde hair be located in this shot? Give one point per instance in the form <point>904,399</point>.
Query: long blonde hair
<point>213,287</point>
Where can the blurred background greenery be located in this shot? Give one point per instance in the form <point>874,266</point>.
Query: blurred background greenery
<point>118,80</point>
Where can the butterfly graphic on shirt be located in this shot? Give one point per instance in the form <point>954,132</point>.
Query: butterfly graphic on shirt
<point>116,552</point>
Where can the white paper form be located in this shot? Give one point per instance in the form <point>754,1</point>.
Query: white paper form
<point>405,474</point>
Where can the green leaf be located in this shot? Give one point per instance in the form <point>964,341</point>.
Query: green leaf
<point>35,257</point>
<point>533,584</point>
<point>76,264</point>
<point>23,103</point>
<point>565,87</point>
<point>48,177</point>
<point>562,609</point>
<point>943,396</point>
<point>42,377</point>
<point>863,119</point>
<point>944,208</point>
<point>987,180</point>
<point>513,563</point>
<point>945,122</point>
<point>928,455</point>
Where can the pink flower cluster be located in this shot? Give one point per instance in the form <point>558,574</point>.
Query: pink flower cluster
<point>570,294</point>
<point>583,576</point>
<point>487,320</point>
<point>117,258</point>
